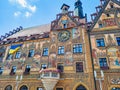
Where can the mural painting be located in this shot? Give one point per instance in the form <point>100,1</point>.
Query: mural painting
<point>53,37</point>
<point>115,80</point>
<point>52,60</point>
<point>110,41</point>
<point>109,22</point>
<point>64,20</point>
<point>68,58</point>
<point>75,33</point>
<point>36,60</point>
<point>114,56</point>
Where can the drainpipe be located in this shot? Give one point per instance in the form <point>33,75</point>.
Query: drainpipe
<point>92,59</point>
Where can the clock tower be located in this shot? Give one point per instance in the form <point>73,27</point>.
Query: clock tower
<point>78,11</point>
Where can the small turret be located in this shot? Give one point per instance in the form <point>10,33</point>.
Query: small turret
<point>65,8</point>
<point>78,11</point>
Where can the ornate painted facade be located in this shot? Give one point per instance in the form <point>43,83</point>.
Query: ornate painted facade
<point>105,45</point>
<point>68,54</point>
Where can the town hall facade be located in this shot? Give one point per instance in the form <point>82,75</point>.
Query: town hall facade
<point>70,53</point>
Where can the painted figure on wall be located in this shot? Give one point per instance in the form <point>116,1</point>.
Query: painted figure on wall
<point>114,56</point>
<point>117,61</point>
<point>69,59</point>
<point>52,60</point>
<point>110,40</point>
<point>53,36</point>
<point>94,54</point>
<point>75,33</point>
<point>36,60</point>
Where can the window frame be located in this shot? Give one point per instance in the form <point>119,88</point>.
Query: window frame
<point>1,70</point>
<point>100,25</point>
<point>43,65</point>
<point>61,67</point>
<point>61,50</point>
<point>45,51</point>
<point>27,70</point>
<point>79,69</point>
<point>117,41</point>
<point>58,88</point>
<point>12,70</point>
<point>18,55</point>
<point>104,64</point>
<point>100,45</point>
<point>77,48</point>
<point>31,53</point>
<point>39,88</point>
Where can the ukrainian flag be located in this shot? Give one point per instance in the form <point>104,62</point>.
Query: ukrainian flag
<point>14,48</point>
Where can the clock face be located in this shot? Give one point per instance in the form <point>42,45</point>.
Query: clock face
<point>63,36</point>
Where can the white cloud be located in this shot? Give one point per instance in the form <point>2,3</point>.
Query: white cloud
<point>26,7</point>
<point>23,3</point>
<point>32,8</point>
<point>16,14</point>
<point>27,14</point>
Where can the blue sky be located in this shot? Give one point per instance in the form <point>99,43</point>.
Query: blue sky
<point>28,13</point>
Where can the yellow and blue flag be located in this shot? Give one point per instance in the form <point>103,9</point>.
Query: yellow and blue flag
<point>14,48</point>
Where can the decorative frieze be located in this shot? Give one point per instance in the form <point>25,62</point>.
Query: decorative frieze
<point>115,81</point>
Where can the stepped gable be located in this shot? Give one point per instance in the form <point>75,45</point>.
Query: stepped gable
<point>99,12</point>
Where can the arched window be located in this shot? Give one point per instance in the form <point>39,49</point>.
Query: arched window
<point>116,88</point>
<point>24,87</point>
<point>81,88</point>
<point>9,87</point>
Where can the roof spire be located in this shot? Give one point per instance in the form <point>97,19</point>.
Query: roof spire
<point>78,11</point>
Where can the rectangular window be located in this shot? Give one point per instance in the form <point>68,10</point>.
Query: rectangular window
<point>60,50</point>
<point>54,74</point>
<point>100,42</point>
<point>27,69</point>
<point>13,70</point>
<point>65,25</point>
<point>100,25</point>
<point>18,55</point>
<point>45,52</point>
<point>46,74</point>
<point>118,40</point>
<point>59,88</point>
<point>103,63</point>
<point>39,88</point>
<point>77,48</point>
<point>60,67</point>
<point>31,53</point>
<point>79,66</point>
<point>1,70</point>
<point>9,57</point>
<point>43,66</point>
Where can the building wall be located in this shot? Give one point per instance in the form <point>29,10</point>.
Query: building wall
<point>109,31</point>
<point>69,78</point>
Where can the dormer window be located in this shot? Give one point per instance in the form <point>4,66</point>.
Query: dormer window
<point>111,6</point>
<point>100,25</point>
